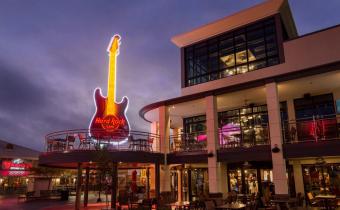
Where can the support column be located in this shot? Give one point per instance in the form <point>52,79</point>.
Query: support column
<point>148,182</point>
<point>157,182</point>
<point>212,143</point>
<point>114,182</point>
<point>279,163</point>
<point>86,193</point>
<point>179,185</point>
<point>189,184</point>
<point>78,187</point>
<point>291,121</point>
<point>164,132</point>
<point>298,177</point>
<point>222,176</point>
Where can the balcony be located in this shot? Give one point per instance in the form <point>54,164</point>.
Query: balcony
<point>316,137</point>
<point>236,136</point>
<point>81,140</point>
<point>188,142</point>
<point>311,130</point>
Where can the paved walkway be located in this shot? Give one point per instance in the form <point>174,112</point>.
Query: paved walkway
<point>12,203</point>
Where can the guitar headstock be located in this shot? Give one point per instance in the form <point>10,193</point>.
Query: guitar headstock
<point>114,44</point>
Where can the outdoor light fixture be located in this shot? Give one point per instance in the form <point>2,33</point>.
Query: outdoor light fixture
<point>211,154</point>
<point>275,149</point>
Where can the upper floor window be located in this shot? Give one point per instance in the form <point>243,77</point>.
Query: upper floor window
<point>194,124</point>
<point>237,52</point>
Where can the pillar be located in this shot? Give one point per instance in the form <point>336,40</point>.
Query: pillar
<point>212,143</point>
<point>291,120</point>
<point>114,182</point>
<point>189,171</point>
<point>78,187</point>
<point>179,185</point>
<point>86,193</point>
<point>157,181</point>
<point>222,176</point>
<point>164,132</point>
<point>279,163</point>
<point>148,182</point>
<point>298,177</point>
<point>154,130</point>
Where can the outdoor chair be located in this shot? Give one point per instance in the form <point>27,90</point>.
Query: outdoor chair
<point>312,201</point>
<point>84,142</point>
<point>70,142</point>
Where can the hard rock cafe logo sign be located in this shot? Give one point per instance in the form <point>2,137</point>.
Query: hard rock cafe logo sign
<point>110,122</point>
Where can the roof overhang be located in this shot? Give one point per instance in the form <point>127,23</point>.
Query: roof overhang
<point>244,17</point>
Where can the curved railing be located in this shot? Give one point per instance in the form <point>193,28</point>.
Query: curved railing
<point>80,139</point>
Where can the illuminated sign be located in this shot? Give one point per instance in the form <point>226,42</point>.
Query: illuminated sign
<point>11,165</point>
<point>16,167</point>
<point>110,118</point>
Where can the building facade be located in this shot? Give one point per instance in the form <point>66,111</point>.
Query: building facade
<point>259,108</point>
<point>16,163</point>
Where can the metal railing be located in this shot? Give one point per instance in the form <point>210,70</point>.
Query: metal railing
<point>311,129</point>
<point>187,142</point>
<point>80,139</point>
<point>234,135</point>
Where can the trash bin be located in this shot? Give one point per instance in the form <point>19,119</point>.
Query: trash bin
<point>64,195</point>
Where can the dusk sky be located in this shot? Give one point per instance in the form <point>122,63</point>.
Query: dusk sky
<point>53,55</point>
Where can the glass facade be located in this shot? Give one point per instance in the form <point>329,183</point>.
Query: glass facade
<point>195,124</point>
<point>315,118</point>
<point>237,52</point>
<point>251,180</point>
<point>322,178</point>
<point>246,126</point>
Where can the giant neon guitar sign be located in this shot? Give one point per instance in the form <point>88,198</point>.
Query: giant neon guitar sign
<point>110,119</point>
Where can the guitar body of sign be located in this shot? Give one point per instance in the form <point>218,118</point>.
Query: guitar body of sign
<point>108,125</point>
<point>110,120</point>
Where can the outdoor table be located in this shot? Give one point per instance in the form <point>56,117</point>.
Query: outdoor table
<point>280,202</point>
<point>232,206</point>
<point>326,199</point>
<point>180,204</point>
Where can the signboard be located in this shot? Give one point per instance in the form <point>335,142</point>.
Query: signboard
<point>15,167</point>
<point>10,165</point>
<point>109,120</point>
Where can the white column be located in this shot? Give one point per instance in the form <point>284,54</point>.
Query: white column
<point>179,185</point>
<point>212,143</point>
<point>291,120</point>
<point>222,176</point>
<point>164,132</point>
<point>154,129</point>
<point>298,177</point>
<point>279,163</point>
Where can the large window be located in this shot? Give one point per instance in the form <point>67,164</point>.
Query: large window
<point>194,124</point>
<point>246,126</point>
<point>315,117</point>
<point>322,178</point>
<point>237,52</point>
